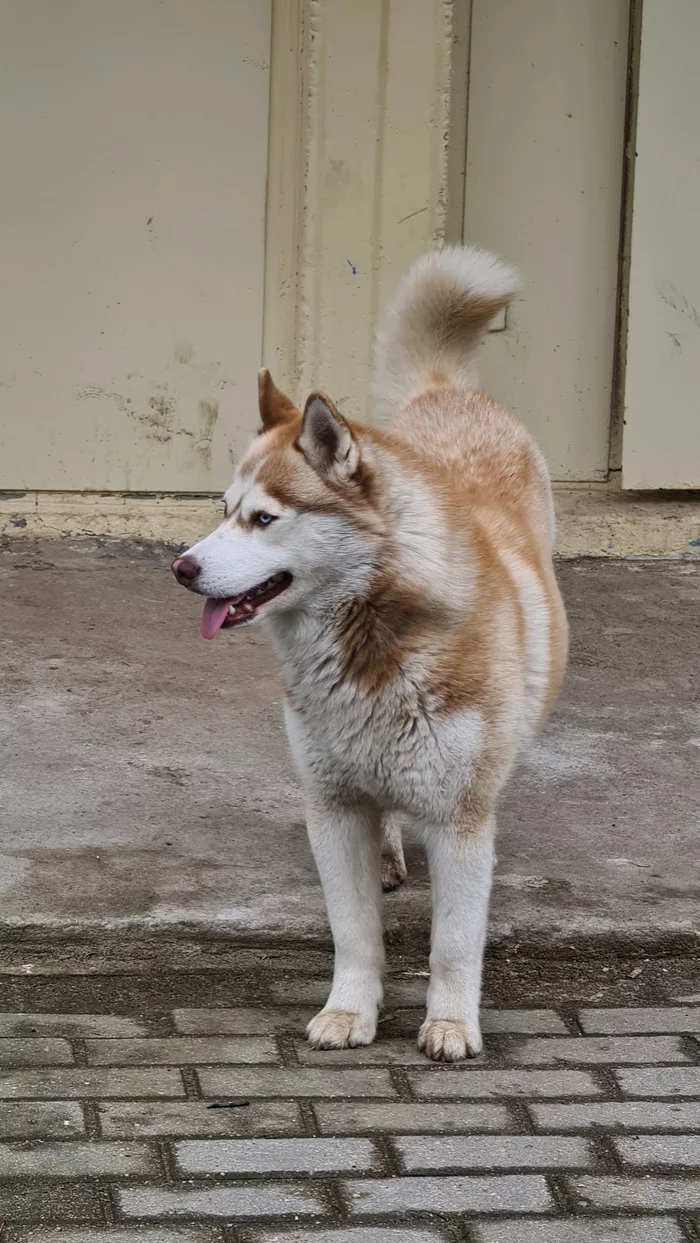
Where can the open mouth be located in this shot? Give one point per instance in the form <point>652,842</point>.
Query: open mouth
<point>235,610</point>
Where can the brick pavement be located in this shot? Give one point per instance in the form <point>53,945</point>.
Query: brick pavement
<point>578,1125</point>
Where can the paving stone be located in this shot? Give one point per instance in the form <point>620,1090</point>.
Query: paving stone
<point>70,1025</point>
<point>31,1201</point>
<point>660,1081</point>
<point>656,1194</point>
<point>619,1115</point>
<point>276,1156</point>
<point>242,1200</point>
<point>641,1019</point>
<point>356,1117</point>
<point>681,1150</point>
<point>509,1193</point>
<point>347,1234</point>
<point>32,1051</point>
<point>307,1081</point>
<point>383,1053</point>
<point>424,1153</point>
<point>465,1082</point>
<point>523,1022</point>
<point>242,1021</point>
<point>119,1234</point>
<point>181,1051</point>
<point>140,1119</point>
<point>77,1160</point>
<point>604,1230</point>
<point>591,1050</point>
<point>41,1120</point>
<point>75,1081</point>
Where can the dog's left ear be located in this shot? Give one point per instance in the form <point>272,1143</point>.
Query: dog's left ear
<point>275,407</point>
<point>326,440</point>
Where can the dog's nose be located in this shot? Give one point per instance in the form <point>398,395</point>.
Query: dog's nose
<point>185,570</point>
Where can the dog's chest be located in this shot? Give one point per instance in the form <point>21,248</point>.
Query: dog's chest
<point>392,746</point>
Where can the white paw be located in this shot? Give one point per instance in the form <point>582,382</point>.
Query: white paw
<point>340,1029</point>
<point>394,872</point>
<point>447,1041</point>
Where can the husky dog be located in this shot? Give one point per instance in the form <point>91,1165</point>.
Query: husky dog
<point>404,574</point>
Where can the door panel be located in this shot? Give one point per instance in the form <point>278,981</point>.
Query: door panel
<point>661,437</point>
<point>544,181</point>
<point>133,152</point>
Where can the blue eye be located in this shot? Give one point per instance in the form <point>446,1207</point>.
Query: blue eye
<point>262,519</point>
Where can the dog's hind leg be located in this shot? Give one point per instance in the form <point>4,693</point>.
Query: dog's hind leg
<point>393,863</point>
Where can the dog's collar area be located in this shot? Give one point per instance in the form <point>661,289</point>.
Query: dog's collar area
<point>234,610</point>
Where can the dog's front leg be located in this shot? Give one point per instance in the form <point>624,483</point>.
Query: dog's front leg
<point>346,841</point>
<point>461,863</point>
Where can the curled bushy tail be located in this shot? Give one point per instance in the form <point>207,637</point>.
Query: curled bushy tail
<point>435,323</point>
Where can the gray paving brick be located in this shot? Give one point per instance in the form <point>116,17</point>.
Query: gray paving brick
<point>182,1051</point>
<point>604,1230</point>
<point>276,1156</point>
<point>366,1117</point>
<point>119,1234</point>
<point>243,1200</point>
<point>74,1081</point>
<point>382,1053</point>
<point>70,1025</point>
<point>642,1019</point>
<point>508,1193</point>
<point>307,1081</point>
<point>592,1050</point>
<point>41,1120</point>
<point>655,1194</point>
<point>141,1119</point>
<point>523,1022</point>
<point>619,1115</point>
<point>424,1153</point>
<point>243,1021</point>
<point>672,1150</point>
<point>77,1160</point>
<point>33,1051</point>
<point>660,1081</point>
<point>455,1081</point>
<point>347,1234</point>
<point>34,1202</point>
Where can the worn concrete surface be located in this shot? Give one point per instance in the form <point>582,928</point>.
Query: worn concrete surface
<point>144,777</point>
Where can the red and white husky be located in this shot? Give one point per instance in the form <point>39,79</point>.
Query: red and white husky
<point>404,573</point>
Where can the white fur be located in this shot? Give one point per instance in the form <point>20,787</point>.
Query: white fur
<point>436,321</point>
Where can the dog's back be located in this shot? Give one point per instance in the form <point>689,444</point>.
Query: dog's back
<point>488,472</point>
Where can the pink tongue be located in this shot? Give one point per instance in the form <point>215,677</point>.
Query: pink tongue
<point>213,617</point>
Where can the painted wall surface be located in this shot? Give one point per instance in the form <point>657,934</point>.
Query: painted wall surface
<point>661,436</point>
<point>133,155</point>
<point>543,189</point>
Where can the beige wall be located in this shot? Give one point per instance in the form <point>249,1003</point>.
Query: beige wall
<point>157,237</point>
<point>543,188</point>
<point>133,153</point>
<point>661,438</point>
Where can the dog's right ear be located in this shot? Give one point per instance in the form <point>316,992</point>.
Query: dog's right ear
<point>275,407</point>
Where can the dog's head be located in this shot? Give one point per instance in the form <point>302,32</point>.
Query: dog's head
<point>300,528</point>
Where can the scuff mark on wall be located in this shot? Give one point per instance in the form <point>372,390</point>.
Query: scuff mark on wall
<point>208,412</point>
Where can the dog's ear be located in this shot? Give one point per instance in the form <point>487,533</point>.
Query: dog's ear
<point>327,441</point>
<point>275,407</point>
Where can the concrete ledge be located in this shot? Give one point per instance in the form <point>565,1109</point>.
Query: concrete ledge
<point>592,521</point>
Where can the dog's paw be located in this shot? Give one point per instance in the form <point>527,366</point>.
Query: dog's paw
<point>340,1029</point>
<point>394,872</point>
<point>446,1041</point>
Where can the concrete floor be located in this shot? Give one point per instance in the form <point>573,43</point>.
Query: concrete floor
<point>145,782</point>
